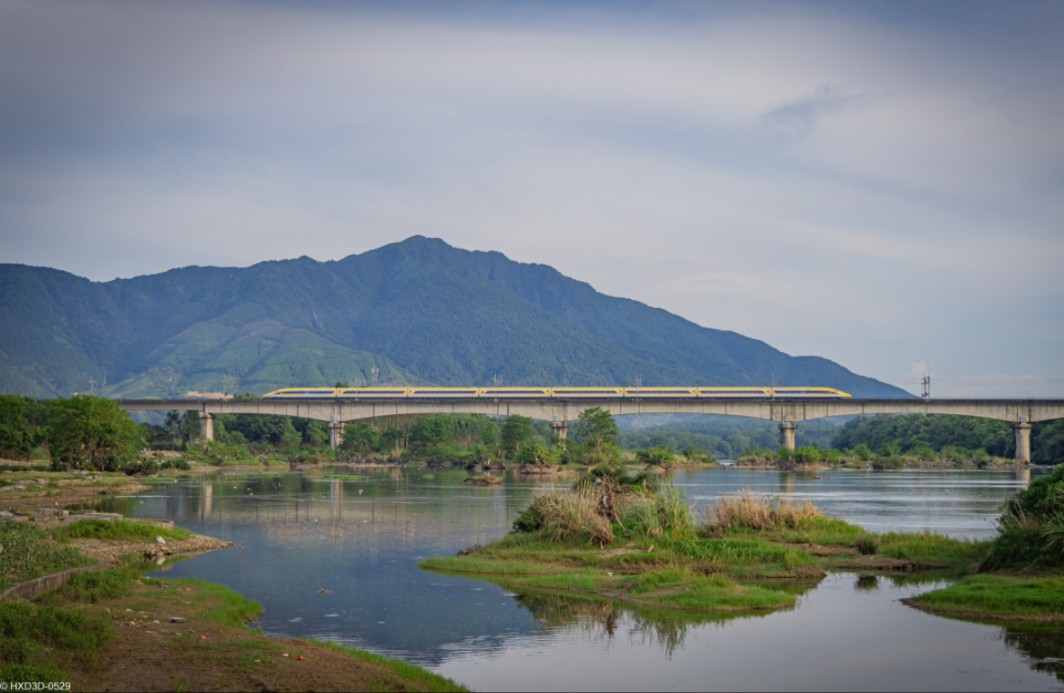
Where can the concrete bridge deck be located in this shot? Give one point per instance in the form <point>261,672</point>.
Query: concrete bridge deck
<point>1021,413</point>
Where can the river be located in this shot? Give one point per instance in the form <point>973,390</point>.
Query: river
<point>335,559</point>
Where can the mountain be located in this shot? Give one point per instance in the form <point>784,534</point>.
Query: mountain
<point>418,312</point>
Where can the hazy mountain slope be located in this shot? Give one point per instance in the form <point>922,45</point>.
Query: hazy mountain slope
<point>419,311</point>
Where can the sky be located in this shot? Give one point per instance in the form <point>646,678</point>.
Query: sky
<point>877,183</point>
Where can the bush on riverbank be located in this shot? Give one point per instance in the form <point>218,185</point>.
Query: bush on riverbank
<point>605,502</point>
<point>1031,527</point>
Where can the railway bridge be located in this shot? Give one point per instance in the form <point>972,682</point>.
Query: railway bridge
<point>1020,413</point>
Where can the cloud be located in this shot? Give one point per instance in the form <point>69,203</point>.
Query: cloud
<point>795,119</point>
<point>833,179</point>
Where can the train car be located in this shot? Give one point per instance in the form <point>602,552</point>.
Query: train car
<point>371,392</point>
<point>577,392</point>
<point>457,392</point>
<point>660,392</point>
<point>301,392</point>
<point>733,391</point>
<point>513,392</point>
<point>809,392</point>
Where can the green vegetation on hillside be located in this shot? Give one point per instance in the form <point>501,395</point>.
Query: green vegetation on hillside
<point>419,312</point>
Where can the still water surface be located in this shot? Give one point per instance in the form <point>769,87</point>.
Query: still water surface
<point>335,559</point>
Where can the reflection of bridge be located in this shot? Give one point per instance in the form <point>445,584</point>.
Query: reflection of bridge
<point>1021,413</point>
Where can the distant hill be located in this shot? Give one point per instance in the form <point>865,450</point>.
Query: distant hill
<point>418,312</point>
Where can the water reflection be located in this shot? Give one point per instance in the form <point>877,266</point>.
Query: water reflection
<point>603,619</point>
<point>866,582</point>
<point>1042,647</point>
<point>336,558</point>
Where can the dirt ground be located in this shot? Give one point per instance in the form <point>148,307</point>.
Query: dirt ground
<point>164,640</point>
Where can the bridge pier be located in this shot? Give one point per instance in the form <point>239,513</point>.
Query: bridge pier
<point>1023,441</point>
<point>206,427</point>
<point>560,429</point>
<point>336,434</point>
<point>787,429</point>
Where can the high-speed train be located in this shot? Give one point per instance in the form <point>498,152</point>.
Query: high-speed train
<point>361,393</point>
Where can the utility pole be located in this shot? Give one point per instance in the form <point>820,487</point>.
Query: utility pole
<point>927,386</point>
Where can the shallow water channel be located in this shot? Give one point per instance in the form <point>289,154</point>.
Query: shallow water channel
<point>335,559</point>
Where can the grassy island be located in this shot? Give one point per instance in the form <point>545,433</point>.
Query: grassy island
<point>620,539</point>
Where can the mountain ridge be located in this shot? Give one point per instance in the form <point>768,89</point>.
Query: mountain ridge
<point>418,311</point>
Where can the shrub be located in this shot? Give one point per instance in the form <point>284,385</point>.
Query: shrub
<point>659,457</point>
<point>866,544</point>
<point>1031,528</point>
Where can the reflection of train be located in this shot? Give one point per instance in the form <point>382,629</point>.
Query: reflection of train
<point>555,392</point>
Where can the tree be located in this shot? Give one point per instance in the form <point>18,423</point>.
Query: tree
<point>517,432</point>
<point>595,427</point>
<point>19,426</point>
<point>87,432</point>
<point>360,440</point>
<point>1047,442</point>
<point>656,457</point>
<point>596,434</point>
<point>537,455</point>
<point>271,429</point>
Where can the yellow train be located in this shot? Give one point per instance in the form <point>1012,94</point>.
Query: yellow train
<point>363,393</point>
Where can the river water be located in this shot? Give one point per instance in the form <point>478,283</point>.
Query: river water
<point>335,559</point>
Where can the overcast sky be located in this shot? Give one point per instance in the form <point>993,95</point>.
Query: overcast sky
<point>878,183</point>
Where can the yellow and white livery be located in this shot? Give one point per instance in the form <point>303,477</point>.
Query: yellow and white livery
<point>566,393</point>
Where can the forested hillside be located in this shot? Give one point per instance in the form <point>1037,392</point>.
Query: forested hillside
<point>419,311</point>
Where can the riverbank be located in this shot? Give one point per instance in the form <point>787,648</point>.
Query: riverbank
<point>135,633</point>
<point>167,635</point>
<point>139,633</point>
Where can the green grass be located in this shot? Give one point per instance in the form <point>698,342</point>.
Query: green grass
<point>418,678</point>
<point>27,630</point>
<point>97,585</point>
<point>117,530</point>
<point>931,550</point>
<point>745,557</point>
<point>27,673</point>
<point>999,597</point>
<point>228,607</point>
<point>28,554</point>
<point>707,576</point>
<point>754,554</point>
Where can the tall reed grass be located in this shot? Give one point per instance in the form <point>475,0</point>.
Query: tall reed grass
<point>595,510</point>
<point>751,510</point>
<point>573,515</point>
